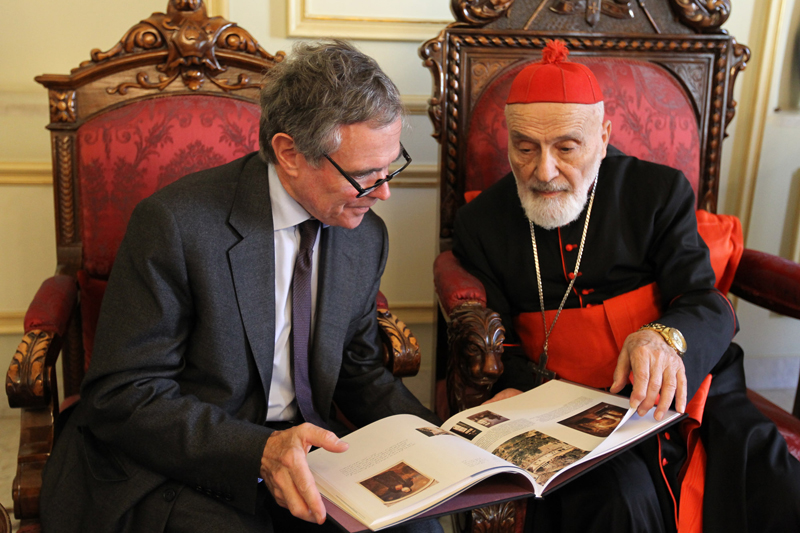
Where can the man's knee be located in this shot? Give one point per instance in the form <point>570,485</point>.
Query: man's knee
<point>617,496</point>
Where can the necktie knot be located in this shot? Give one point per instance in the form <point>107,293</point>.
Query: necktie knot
<point>308,234</point>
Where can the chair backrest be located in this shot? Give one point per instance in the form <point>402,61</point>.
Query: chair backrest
<point>178,93</point>
<point>666,69</point>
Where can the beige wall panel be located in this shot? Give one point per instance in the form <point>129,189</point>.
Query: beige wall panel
<point>27,236</point>
<point>52,36</point>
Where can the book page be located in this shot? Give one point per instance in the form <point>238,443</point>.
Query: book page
<point>398,467</point>
<point>552,428</point>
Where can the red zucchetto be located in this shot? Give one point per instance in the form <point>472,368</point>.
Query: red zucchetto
<point>554,79</point>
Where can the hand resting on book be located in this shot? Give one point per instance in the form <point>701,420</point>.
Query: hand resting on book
<point>284,468</point>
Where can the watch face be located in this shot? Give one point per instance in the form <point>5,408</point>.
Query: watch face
<point>677,338</point>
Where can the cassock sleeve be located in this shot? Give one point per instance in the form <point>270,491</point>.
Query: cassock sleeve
<point>686,281</point>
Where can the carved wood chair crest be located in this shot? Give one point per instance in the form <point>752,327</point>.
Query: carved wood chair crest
<point>192,41</point>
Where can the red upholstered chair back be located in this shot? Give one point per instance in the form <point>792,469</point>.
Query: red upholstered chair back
<point>131,120</point>
<point>666,69</point>
<point>129,152</point>
<point>652,118</point>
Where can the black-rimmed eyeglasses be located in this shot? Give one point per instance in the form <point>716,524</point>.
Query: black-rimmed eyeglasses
<point>362,191</point>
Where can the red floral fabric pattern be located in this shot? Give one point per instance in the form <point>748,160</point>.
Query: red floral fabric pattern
<point>651,115</point>
<point>128,153</point>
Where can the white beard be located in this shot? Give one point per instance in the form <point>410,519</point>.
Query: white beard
<point>551,213</point>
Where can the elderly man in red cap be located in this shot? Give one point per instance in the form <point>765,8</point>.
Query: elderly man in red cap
<point>593,260</point>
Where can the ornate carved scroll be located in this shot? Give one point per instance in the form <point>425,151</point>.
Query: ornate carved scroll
<point>26,381</point>
<point>400,348</point>
<point>62,106</point>
<point>592,9</point>
<point>475,338</point>
<point>702,15</point>
<point>741,54</point>
<point>192,40</point>
<point>482,72</point>
<point>432,54</point>
<point>480,12</point>
<point>495,518</point>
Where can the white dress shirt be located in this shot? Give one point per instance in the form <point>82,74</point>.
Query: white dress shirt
<point>286,215</point>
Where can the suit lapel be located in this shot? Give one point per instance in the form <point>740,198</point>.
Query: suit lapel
<point>252,263</point>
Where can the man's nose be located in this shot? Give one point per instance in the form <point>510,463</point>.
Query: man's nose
<point>382,192</point>
<point>547,169</point>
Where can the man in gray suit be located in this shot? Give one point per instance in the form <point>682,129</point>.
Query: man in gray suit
<point>191,417</point>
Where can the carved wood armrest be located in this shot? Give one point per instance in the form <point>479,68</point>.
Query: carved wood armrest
<point>31,386</point>
<point>768,281</point>
<point>401,353</point>
<point>475,336</point>
<point>454,285</point>
<point>35,445</point>
<point>31,378</point>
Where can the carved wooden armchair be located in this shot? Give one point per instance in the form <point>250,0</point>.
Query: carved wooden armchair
<point>667,71</point>
<point>178,93</point>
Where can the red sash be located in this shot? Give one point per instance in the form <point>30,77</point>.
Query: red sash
<point>586,342</point>
<point>584,347</point>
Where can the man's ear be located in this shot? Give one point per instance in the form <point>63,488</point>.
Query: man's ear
<point>606,132</point>
<point>286,154</point>
<point>606,135</point>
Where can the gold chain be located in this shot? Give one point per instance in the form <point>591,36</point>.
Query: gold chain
<point>574,274</point>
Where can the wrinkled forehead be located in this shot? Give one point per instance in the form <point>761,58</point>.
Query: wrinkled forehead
<point>549,114</point>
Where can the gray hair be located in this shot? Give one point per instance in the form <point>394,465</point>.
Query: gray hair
<point>320,87</point>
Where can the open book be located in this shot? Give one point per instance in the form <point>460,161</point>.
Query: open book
<point>402,466</point>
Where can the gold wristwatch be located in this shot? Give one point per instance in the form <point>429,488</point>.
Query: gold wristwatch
<point>673,337</point>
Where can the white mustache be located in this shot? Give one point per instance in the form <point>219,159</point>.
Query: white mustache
<point>549,187</point>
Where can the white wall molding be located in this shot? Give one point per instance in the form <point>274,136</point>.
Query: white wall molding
<point>416,104</point>
<point>303,22</point>
<point>12,322</point>
<point>413,312</point>
<point>418,177</point>
<point>26,173</point>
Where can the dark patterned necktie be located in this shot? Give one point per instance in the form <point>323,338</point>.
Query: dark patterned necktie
<point>301,321</point>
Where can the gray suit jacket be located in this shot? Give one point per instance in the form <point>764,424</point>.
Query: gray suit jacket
<point>177,388</point>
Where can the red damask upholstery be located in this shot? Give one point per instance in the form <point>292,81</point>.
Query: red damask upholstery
<point>650,113</point>
<point>128,153</point>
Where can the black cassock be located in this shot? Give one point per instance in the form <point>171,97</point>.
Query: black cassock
<point>642,229</point>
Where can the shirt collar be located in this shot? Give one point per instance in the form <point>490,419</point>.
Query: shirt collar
<point>286,212</point>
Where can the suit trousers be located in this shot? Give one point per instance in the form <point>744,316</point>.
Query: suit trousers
<point>194,512</point>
